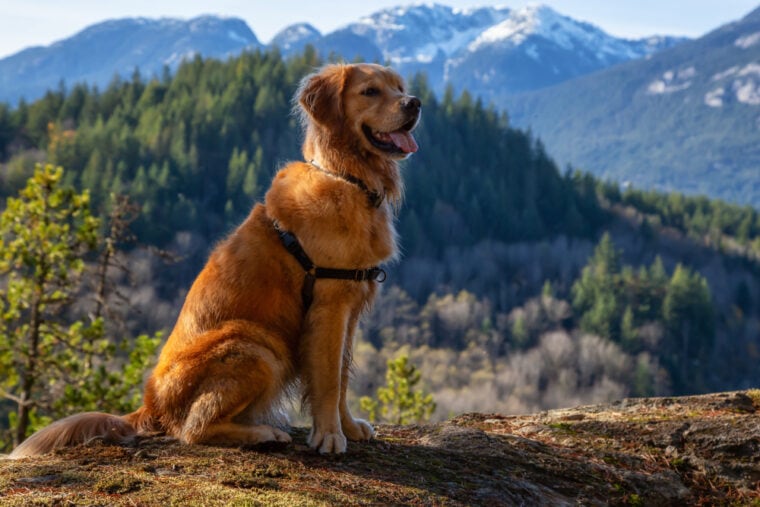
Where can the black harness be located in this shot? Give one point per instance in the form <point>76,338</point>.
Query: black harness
<point>292,245</point>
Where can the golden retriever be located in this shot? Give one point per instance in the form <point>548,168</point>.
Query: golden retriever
<point>259,318</point>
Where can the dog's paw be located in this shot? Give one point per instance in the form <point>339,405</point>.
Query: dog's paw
<point>358,429</point>
<point>265,437</point>
<point>266,433</point>
<point>281,436</point>
<point>327,443</point>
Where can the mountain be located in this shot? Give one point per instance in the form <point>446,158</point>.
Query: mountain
<point>293,39</point>
<point>100,51</point>
<point>486,50</point>
<point>535,47</point>
<point>687,118</point>
<point>423,37</point>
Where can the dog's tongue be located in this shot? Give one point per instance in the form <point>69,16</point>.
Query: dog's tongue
<point>404,141</point>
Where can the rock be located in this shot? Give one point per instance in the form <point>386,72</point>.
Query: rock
<point>673,451</point>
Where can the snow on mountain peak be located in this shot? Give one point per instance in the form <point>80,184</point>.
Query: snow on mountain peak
<point>567,33</point>
<point>433,38</point>
<point>295,36</point>
<point>515,29</point>
<point>420,32</point>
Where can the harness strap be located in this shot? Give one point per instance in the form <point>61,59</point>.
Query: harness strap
<point>293,246</point>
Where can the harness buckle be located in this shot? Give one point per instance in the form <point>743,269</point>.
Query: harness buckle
<point>377,274</point>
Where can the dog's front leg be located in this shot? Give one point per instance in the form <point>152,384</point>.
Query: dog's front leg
<point>353,428</point>
<point>323,341</point>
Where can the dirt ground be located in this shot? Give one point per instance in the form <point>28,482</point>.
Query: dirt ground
<point>696,450</point>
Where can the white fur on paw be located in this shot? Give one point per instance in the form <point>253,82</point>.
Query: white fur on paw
<point>280,435</point>
<point>328,443</point>
<point>359,430</point>
<point>263,433</point>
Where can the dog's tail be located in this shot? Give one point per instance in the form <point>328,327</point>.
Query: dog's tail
<point>84,428</point>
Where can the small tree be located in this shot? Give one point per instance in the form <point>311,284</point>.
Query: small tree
<point>689,320</point>
<point>53,356</point>
<point>44,235</point>
<point>597,293</point>
<point>398,401</point>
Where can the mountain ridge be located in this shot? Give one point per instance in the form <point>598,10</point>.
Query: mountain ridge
<point>685,119</point>
<point>97,53</point>
<point>468,47</point>
<point>505,57</point>
<point>431,38</point>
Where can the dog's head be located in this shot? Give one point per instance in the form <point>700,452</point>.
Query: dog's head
<point>365,102</point>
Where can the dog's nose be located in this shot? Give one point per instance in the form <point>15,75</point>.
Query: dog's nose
<point>412,104</point>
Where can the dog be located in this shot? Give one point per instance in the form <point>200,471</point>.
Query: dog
<point>279,300</point>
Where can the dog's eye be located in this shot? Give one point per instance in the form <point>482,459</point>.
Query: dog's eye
<point>370,92</point>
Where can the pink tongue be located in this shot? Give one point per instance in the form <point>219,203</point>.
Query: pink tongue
<point>405,141</point>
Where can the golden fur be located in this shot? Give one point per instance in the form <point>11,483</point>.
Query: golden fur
<point>243,335</point>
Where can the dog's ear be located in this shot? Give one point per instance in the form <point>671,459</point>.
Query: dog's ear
<point>321,95</point>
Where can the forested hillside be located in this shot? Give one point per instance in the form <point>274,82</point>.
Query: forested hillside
<point>686,118</point>
<point>206,143</point>
<point>521,286</point>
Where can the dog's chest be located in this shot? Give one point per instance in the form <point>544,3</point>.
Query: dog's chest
<point>333,219</point>
<point>353,237</point>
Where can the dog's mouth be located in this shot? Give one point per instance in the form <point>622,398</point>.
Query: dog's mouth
<point>400,141</point>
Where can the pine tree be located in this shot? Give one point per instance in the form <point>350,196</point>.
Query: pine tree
<point>688,316</point>
<point>44,234</point>
<point>628,333</point>
<point>47,345</point>
<point>598,294</point>
<point>399,401</point>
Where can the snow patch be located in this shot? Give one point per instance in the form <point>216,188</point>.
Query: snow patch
<point>714,98</point>
<point>660,87</point>
<point>535,20</point>
<point>687,73</point>
<point>745,86</point>
<point>233,35</point>
<point>672,81</point>
<point>176,58</point>
<point>750,69</point>
<point>726,73</point>
<point>747,91</point>
<point>747,41</point>
<point>514,29</point>
<point>386,20</point>
<point>421,31</point>
<point>456,41</point>
<point>565,32</point>
<point>302,30</point>
<point>532,51</point>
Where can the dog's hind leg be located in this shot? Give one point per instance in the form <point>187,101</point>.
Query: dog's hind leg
<point>238,367</point>
<point>206,423</point>
<point>232,433</point>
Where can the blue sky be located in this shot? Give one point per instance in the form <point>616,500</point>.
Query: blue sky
<point>26,23</point>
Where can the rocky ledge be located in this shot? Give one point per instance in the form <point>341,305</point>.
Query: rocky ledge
<point>694,450</point>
